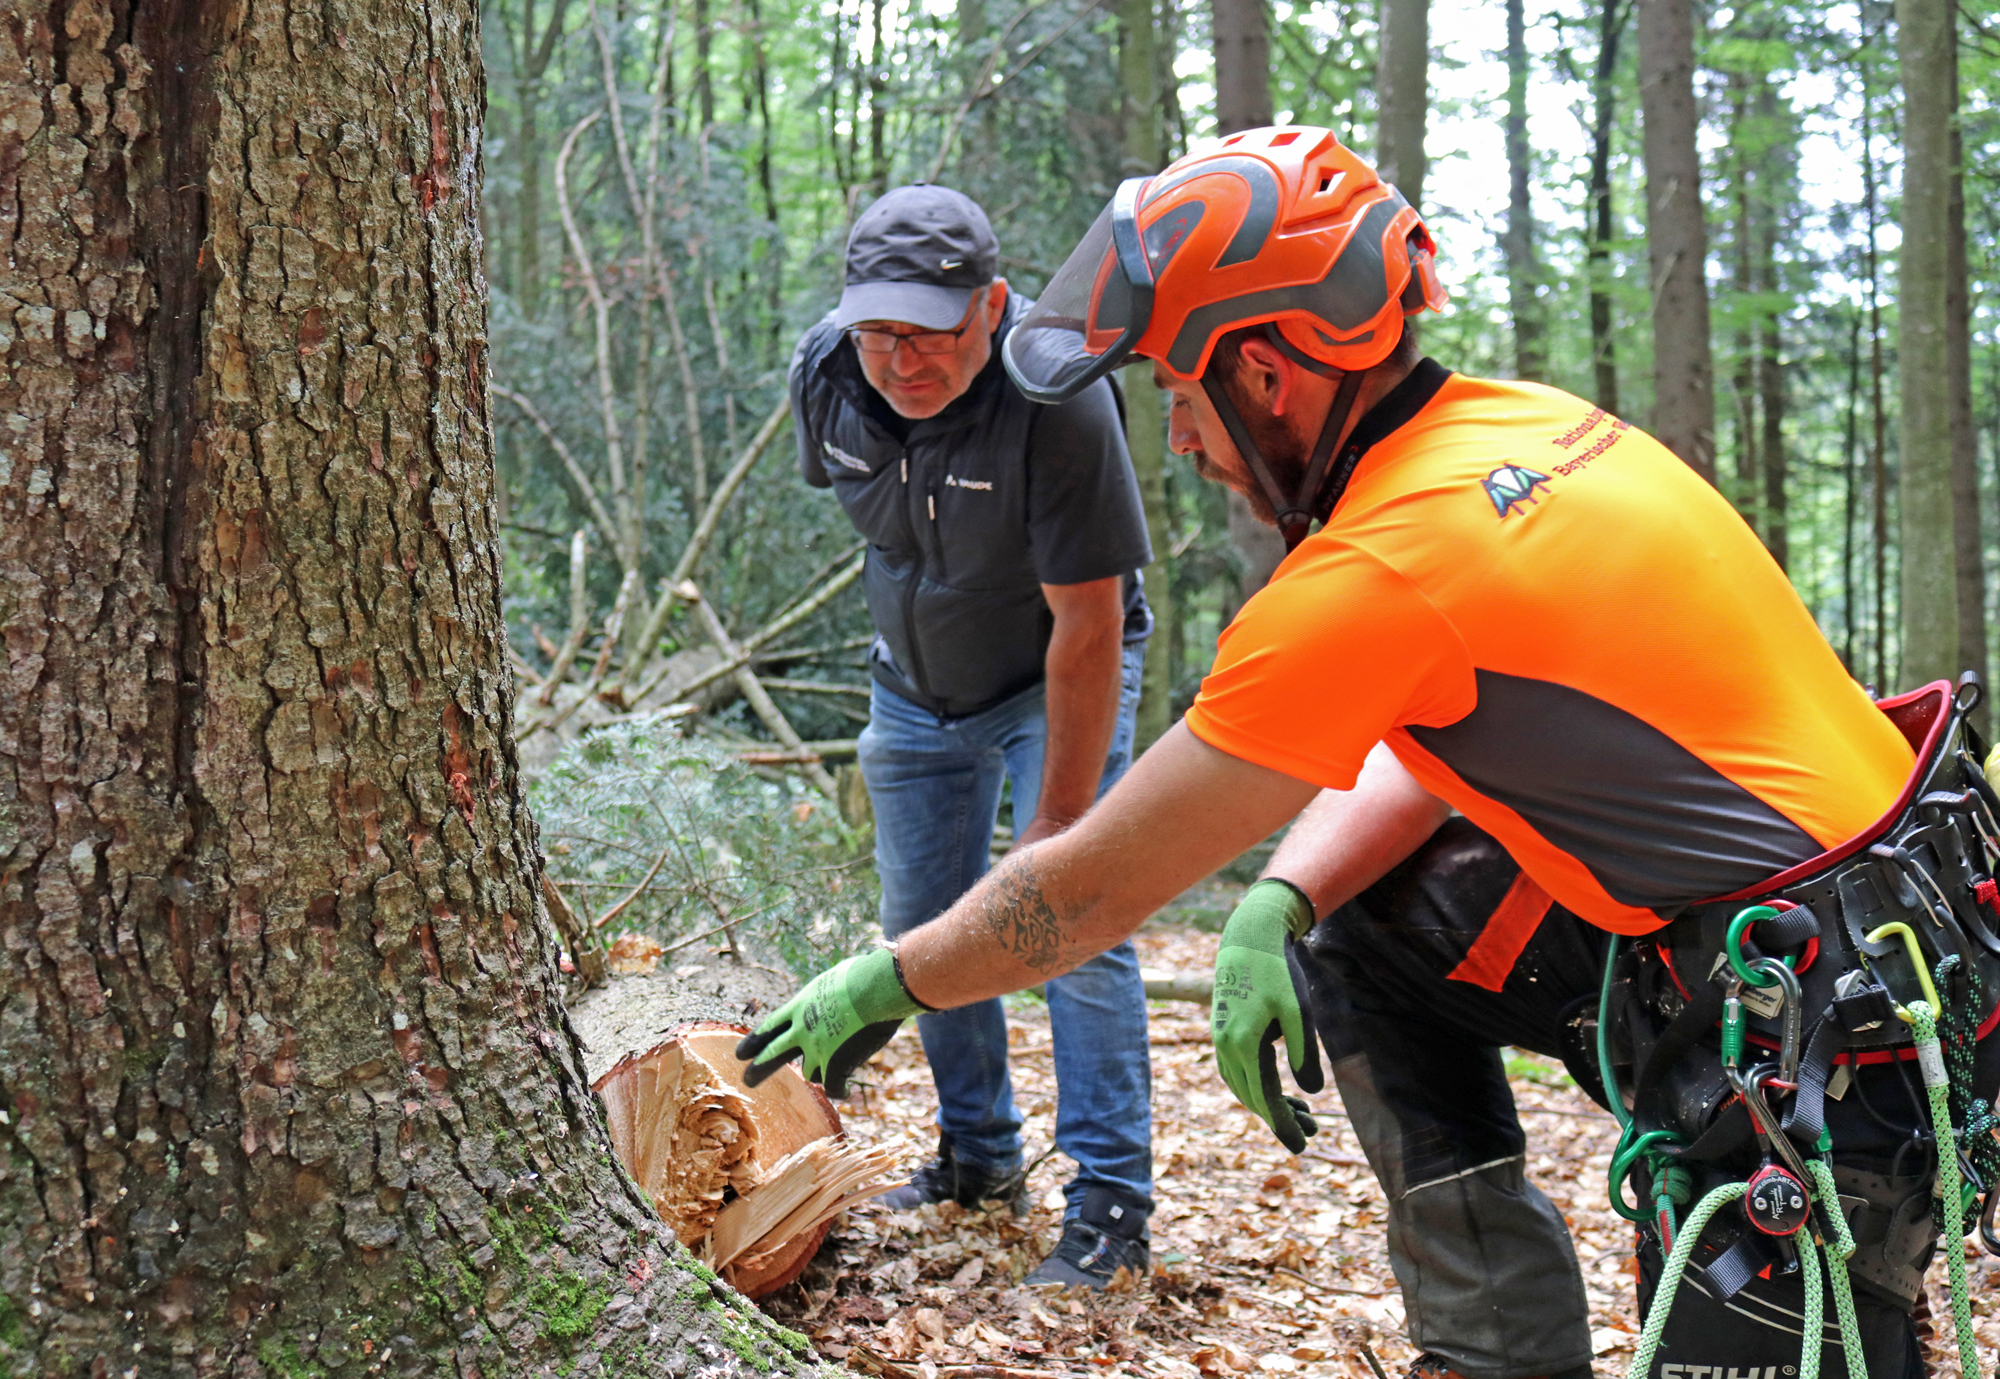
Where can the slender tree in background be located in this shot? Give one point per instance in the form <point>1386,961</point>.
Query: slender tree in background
<point>1403,95</point>
<point>531,45</point>
<point>1243,101</point>
<point>704,50</point>
<point>1774,187</point>
<point>289,1083</point>
<point>1968,555</point>
<point>1518,242</point>
<point>1146,425</point>
<point>1676,235</point>
<point>1743,250</point>
<point>1603,123</point>
<point>1929,565</point>
<point>1878,411</point>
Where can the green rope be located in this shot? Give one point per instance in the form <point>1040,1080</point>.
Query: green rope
<point>1937,1082</point>
<point>1838,1251</point>
<point>1670,1280</point>
<point>1958,1038</point>
<point>1812,1331</point>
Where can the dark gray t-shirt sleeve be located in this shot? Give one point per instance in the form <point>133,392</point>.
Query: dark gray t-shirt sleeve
<point>1085,520</point>
<point>812,461</point>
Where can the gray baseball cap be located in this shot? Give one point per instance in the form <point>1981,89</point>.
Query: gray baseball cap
<point>917,255</point>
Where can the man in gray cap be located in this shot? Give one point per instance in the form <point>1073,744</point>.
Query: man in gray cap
<point>1004,544</point>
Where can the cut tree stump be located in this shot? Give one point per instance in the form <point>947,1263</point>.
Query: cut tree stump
<point>748,1178</point>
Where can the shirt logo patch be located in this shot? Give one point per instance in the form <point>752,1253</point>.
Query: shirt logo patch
<point>1511,486</point>
<point>849,460</point>
<point>982,485</point>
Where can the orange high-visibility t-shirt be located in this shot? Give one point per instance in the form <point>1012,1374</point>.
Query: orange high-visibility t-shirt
<point>1568,636</point>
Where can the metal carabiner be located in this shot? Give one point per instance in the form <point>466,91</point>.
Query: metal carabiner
<point>1792,1011</point>
<point>1770,1131</point>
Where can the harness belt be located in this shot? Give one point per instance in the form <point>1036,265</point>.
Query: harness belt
<point>1890,951</point>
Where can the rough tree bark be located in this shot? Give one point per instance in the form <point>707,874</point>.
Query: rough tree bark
<point>287,1081</point>
<point>1518,241</point>
<point>1146,428</point>
<point>1676,235</point>
<point>1403,95</point>
<point>1242,41</point>
<point>1929,567</point>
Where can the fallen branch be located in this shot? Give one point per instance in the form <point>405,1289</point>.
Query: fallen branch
<point>753,690</point>
<point>598,516</point>
<point>754,643</point>
<point>704,532</point>
<point>612,626</point>
<point>815,687</point>
<point>585,949</point>
<point>1195,987</point>
<point>579,620</point>
<point>636,891</point>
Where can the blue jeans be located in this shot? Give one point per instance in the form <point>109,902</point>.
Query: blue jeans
<point>936,792</point>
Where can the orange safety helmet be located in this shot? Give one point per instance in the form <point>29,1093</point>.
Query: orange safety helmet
<point>1284,227</point>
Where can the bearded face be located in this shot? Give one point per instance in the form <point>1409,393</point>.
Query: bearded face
<point>1286,452</point>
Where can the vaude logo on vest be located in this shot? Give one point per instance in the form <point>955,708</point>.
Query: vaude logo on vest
<point>979,485</point>
<point>1724,1372</point>
<point>1511,486</point>
<point>851,461</point>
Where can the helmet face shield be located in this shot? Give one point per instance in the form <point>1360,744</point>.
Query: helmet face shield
<point>1093,311</point>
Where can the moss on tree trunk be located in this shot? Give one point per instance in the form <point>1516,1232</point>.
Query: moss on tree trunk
<point>287,1082</point>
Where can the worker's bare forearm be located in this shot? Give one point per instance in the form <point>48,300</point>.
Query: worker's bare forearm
<point>1017,928</point>
<point>1182,811</point>
<point>1347,840</point>
<point>1081,684</point>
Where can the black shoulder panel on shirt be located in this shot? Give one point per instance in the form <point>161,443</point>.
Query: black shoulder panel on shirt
<point>1657,826</point>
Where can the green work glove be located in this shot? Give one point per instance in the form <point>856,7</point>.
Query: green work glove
<point>1260,995</point>
<point>837,1023</point>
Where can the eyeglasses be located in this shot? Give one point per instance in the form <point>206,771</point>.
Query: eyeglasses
<point>923,341</point>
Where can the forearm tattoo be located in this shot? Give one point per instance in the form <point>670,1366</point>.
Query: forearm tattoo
<point>1021,918</point>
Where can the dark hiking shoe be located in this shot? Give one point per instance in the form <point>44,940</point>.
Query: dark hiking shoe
<point>1429,1366</point>
<point>944,1179</point>
<point>1109,1234</point>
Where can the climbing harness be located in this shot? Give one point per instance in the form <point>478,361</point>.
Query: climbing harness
<point>1884,949</point>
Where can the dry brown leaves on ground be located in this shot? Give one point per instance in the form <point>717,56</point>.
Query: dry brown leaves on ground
<point>1263,1263</point>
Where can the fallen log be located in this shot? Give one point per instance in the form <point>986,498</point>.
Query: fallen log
<point>749,1178</point>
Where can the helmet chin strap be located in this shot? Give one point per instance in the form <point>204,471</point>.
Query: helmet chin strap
<point>1295,511</point>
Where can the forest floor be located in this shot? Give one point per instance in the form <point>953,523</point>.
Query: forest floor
<point>1264,1264</point>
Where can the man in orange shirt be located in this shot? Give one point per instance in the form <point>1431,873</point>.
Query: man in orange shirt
<point>1523,610</point>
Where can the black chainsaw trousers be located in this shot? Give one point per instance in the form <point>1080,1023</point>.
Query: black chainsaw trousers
<point>1488,1273</point>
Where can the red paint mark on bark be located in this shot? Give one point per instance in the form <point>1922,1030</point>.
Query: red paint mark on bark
<point>408,1045</point>
<point>434,183</point>
<point>427,942</point>
<point>457,765</point>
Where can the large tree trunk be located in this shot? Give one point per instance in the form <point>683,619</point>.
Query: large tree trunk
<point>1929,573</point>
<point>1242,65</point>
<point>1603,123</point>
<point>1146,427</point>
<point>289,1087</point>
<point>1743,254</point>
<point>1403,95</point>
<point>1243,101</point>
<point>1676,235</point>
<point>1518,242</point>
<point>1968,546</point>
<point>1772,395</point>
